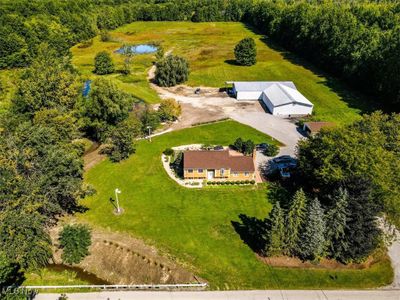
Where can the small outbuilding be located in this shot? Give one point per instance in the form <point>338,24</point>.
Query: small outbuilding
<point>311,128</point>
<point>280,97</point>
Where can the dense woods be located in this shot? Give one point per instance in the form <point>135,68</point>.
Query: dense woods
<point>357,41</point>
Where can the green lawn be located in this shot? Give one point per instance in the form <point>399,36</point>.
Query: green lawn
<point>209,49</point>
<point>194,225</point>
<point>51,277</point>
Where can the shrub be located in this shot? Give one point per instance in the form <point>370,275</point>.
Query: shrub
<point>168,152</point>
<point>252,181</point>
<point>75,241</point>
<point>171,70</point>
<point>103,63</point>
<point>160,53</point>
<point>271,150</point>
<point>177,165</point>
<point>105,36</point>
<point>246,181</point>
<point>86,44</point>
<point>246,52</point>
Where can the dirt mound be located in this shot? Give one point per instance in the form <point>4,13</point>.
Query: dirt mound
<point>121,259</point>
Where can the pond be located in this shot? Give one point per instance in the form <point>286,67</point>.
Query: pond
<point>86,88</point>
<point>137,49</point>
<point>80,273</point>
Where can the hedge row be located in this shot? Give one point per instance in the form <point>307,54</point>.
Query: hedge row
<point>238,182</point>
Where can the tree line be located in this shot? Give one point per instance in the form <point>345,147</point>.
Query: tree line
<point>41,157</point>
<point>356,41</point>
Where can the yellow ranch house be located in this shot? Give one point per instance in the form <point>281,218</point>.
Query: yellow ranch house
<point>217,165</point>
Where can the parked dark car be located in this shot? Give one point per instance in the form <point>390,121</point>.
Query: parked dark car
<point>262,146</point>
<point>285,161</point>
<point>197,91</point>
<point>218,148</point>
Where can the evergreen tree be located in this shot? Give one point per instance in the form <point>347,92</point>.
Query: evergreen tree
<point>294,221</point>
<point>276,242</point>
<point>246,52</point>
<point>312,238</point>
<point>336,219</point>
<point>103,63</point>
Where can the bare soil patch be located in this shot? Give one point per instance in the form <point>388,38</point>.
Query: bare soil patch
<point>121,259</point>
<point>93,157</point>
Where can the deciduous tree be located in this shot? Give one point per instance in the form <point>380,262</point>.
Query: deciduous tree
<point>171,70</point>
<point>75,241</point>
<point>169,110</point>
<point>103,63</point>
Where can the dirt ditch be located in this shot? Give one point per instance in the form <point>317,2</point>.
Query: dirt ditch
<point>120,259</point>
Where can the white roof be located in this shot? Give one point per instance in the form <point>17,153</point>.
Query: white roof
<point>258,86</point>
<point>280,94</point>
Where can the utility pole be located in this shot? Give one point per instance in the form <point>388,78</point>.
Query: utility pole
<point>117,191</point>
<point>149,128</point>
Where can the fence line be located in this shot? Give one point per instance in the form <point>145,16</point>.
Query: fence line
<point>122,286</point>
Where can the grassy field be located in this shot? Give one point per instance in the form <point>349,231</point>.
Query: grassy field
<point>209,49</point>
<point>195,226</point>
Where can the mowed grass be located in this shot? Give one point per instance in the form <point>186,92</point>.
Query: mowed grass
<point>194,226</point>
<point>50,277</point>
<point>209,50</point>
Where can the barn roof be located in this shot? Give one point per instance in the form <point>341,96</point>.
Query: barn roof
<point>258,86</point>
<point>280,94</point>
<point>217,160</point>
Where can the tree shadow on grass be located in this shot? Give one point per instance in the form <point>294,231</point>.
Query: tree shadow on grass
<point>231,62</point>
<point>252,232</point>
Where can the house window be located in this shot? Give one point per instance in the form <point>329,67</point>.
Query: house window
<point>190,170</point>
<point>200,170</point>
<point>236,174</point>
<point>222,172</point>
<point>246,173</point>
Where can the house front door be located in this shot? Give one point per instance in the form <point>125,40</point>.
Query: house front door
<point>210,174</point>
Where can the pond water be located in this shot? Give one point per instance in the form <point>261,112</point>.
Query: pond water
<point>86,88</point>
<point>137,49</point>
<point>80,273</point>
